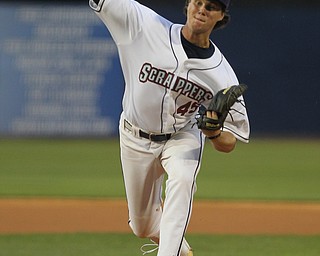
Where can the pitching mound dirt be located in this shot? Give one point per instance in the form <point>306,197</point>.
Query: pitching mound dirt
<point>69,215</point>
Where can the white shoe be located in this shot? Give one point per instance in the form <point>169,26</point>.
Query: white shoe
<point>186,249</point>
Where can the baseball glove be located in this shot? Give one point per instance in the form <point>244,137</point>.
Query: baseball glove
<point>221,103</point>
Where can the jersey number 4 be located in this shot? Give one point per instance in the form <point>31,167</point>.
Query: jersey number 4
<point>188,108</point>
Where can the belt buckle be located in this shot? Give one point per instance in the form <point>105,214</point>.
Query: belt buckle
<point>150,136</point>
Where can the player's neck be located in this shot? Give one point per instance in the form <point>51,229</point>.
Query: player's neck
<point>201,40</point>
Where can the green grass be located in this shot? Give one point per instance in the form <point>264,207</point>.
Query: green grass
<point>60,168</point>
<point>126,244</point>
<point>261,170</point>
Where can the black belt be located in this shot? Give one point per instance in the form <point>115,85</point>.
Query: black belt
<point>155,137</point>
<point>149,136</point>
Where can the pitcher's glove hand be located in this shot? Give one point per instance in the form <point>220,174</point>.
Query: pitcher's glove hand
<point>221,104</point>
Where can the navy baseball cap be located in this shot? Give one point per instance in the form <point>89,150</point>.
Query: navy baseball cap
<point>226,3</point>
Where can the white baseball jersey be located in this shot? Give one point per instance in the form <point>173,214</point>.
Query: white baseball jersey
<point>155,66</point>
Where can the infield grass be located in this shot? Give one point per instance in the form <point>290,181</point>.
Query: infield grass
<point>264,169</point>
<point>126,244</point>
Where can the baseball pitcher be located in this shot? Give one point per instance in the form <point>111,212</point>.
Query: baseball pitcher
<point>179,90</point>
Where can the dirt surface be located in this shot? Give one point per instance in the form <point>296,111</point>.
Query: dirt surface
<point>69,215</point>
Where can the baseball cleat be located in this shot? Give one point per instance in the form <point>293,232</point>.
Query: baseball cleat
<point>186,249</point>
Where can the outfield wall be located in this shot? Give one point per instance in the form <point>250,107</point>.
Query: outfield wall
<point>60,73</point>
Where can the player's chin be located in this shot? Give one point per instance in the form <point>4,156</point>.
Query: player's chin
<point>199,26</point>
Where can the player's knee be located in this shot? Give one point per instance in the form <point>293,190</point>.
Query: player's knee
<point>142,230</point>
<point>181,186</point>
<point>143,233</point>
<point>140,233</point>
<point>183,181</point>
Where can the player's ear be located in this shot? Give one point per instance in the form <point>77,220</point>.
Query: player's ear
<point>223,22</point>
<point>222,16</point>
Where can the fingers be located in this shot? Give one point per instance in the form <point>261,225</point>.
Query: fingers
<point>212,114</point>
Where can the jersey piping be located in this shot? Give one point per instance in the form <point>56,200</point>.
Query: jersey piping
<point>192,188</point>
